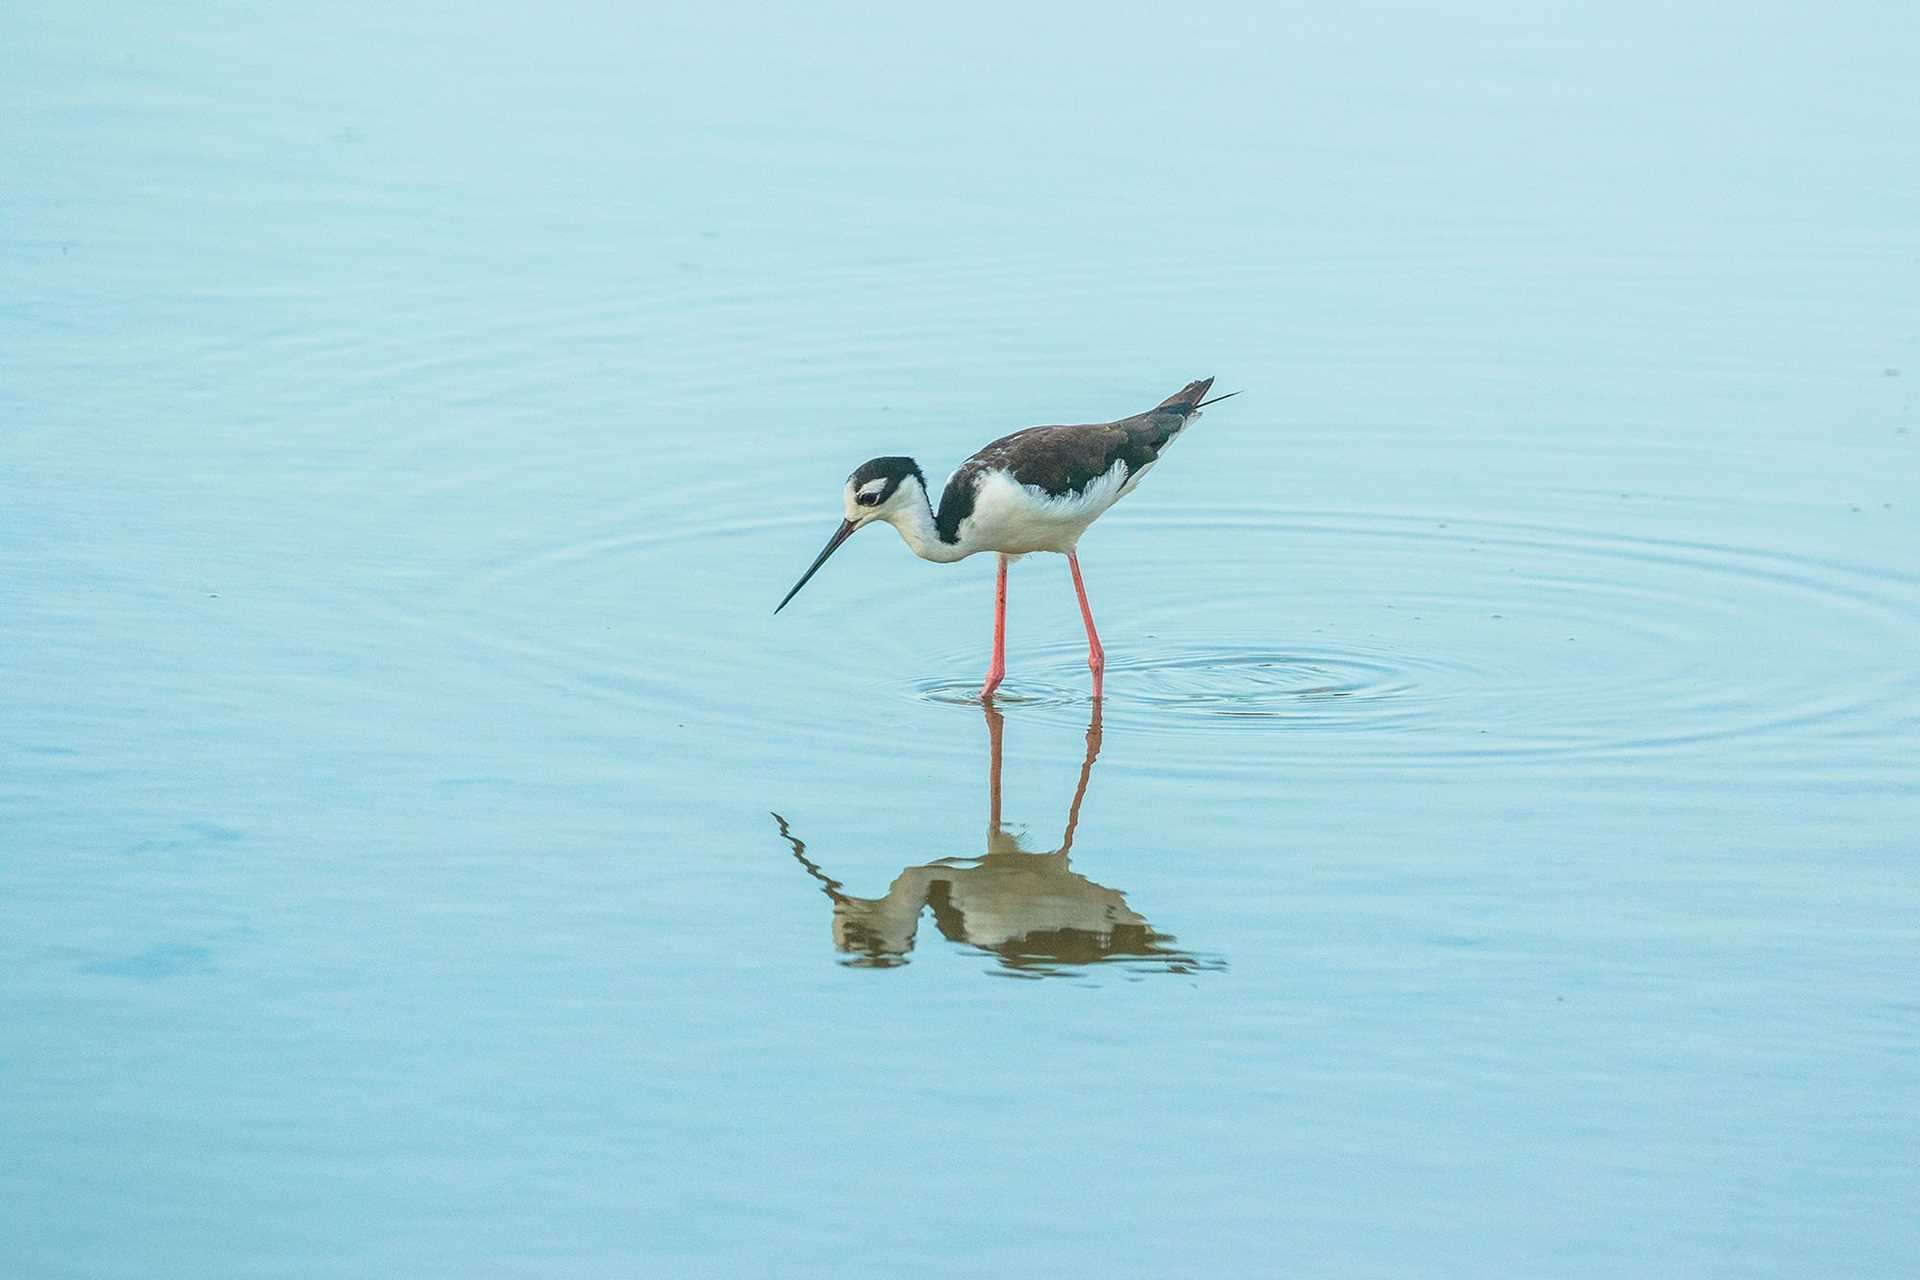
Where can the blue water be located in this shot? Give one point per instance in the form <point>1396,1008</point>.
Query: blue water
<point>423,854</point>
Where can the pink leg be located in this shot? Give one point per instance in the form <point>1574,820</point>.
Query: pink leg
<point>1096,656</point>
<point>998,671</point>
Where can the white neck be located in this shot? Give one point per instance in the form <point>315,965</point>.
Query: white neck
<point>914,522</point>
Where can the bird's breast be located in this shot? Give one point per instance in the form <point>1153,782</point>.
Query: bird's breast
<point>1014,518</point>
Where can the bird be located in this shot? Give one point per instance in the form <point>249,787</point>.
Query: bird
<point>1034,490</point>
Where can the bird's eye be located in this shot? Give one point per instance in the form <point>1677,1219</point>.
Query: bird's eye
<point>866,499</point>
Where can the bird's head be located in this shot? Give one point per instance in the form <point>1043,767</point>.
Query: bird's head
<point>879,489</point>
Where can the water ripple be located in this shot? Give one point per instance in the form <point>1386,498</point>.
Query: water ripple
<point>1543,642</point>
<point>1229,686</point>
<point>1359,637</point>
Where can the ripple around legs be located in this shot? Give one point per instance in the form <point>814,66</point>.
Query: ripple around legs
<point>1546,643</point>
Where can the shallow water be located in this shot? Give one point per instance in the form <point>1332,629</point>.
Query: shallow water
<point>426,855</point>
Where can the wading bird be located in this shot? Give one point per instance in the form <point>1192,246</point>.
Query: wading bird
<point>1035,490</point>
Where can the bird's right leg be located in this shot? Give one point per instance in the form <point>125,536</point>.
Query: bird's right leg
<point>1096,656</point>
<point>998,671</point>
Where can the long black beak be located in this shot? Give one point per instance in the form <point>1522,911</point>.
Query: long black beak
<point>840,535</point>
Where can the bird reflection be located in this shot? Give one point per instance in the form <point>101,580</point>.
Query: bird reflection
<point>1030,910</point>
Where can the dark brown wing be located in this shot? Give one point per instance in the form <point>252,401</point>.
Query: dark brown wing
<point>1065,460</point>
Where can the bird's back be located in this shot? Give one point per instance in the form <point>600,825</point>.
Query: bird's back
<point>1083,469</point>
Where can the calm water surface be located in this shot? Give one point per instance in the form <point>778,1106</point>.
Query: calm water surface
<point>422,853</point>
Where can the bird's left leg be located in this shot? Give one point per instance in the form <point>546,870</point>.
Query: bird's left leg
<point>1096,656</point>
<point>998,671</point>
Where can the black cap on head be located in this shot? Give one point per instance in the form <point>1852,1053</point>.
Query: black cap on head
<point>891,470</point>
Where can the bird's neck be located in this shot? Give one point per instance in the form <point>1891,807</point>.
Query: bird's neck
<point>916,528</point>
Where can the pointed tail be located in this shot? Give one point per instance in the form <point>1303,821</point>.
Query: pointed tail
<point>1191,398</point>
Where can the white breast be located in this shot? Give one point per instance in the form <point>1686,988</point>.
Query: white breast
<point>1014,518</point>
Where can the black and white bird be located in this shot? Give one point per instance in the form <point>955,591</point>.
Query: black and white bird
<point>1035,490</point>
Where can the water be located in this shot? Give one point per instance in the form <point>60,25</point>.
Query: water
<point>425,855</point>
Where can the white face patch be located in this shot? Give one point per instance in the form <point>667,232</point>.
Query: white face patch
<point>873,486</point>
